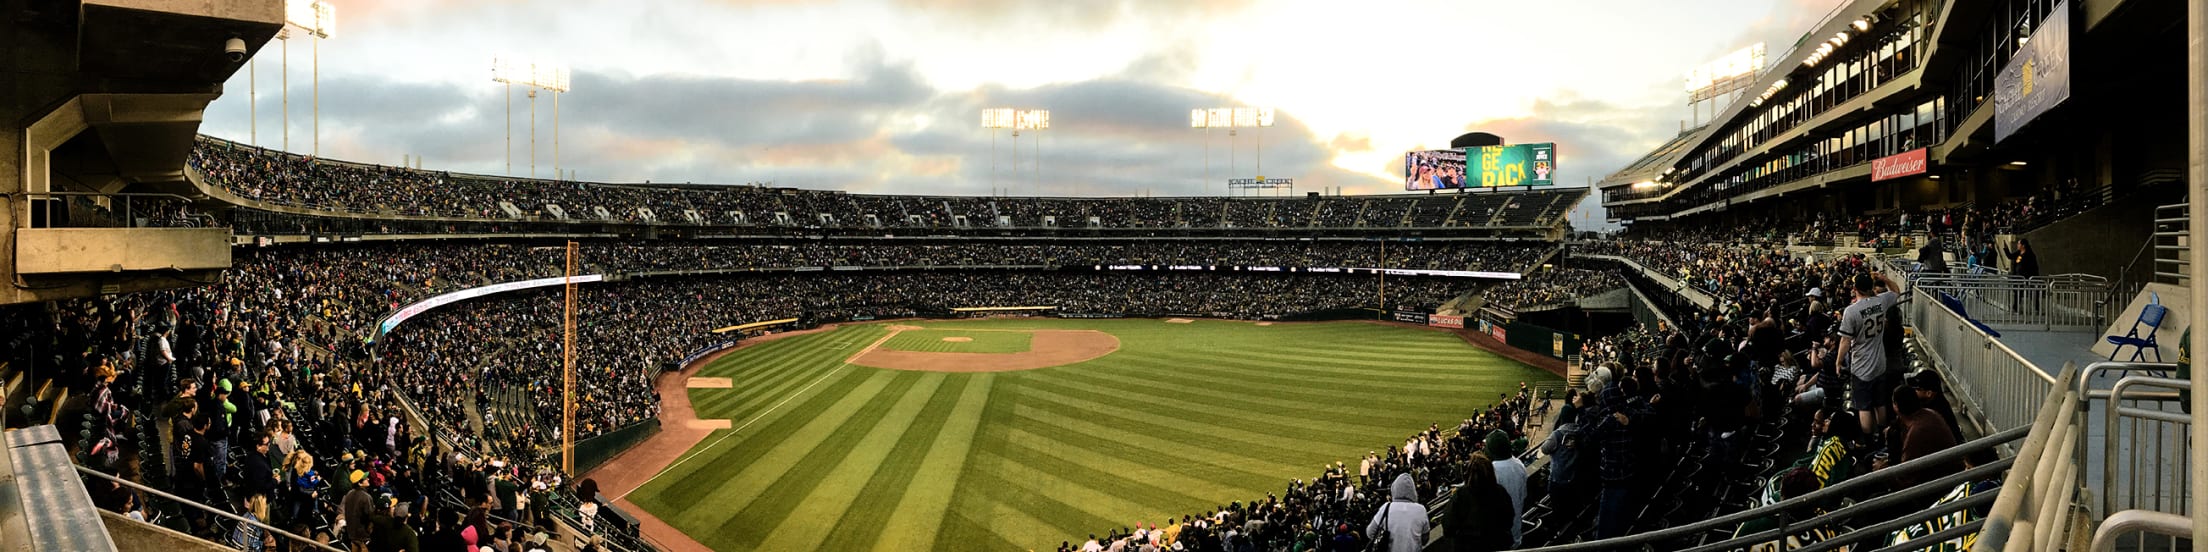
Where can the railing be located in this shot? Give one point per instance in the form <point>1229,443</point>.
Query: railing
<point>2064,302</point>
<point>1875,482</point>
<point>2145,458</point>
<point>2144,464</point>
<point>295,539</point>
<point>2170,230</point>
<point>100,210</point>
<point>2006,386</point>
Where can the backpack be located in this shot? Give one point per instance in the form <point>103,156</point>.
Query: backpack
<point>1380,538</point>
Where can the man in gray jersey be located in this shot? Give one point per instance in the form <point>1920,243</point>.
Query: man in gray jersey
<point>1862,350</point>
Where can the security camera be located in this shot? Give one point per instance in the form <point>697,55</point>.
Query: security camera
<point>234,49</point>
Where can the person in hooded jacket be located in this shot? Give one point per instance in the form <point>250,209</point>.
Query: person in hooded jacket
<point>1480,513</point>
<point>1403,517</point>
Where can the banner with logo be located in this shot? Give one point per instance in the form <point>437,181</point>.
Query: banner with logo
<point>2036,79</point>
<point>1906,163</point>
<point>1413,317</point>
<point>1497,331</point>
<point>1556,345</point>
<point>1445,321</point>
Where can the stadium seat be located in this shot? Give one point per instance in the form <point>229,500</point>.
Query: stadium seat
<point>2151,317</point>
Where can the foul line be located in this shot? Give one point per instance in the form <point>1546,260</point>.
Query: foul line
<point>854,358</point>
<point>733,432</point>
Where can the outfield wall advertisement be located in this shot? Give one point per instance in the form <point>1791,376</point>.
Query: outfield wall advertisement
<point>1445,321</point>
<point>1481,167</point>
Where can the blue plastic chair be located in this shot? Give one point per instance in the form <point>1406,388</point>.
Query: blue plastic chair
<point>2151,316</point>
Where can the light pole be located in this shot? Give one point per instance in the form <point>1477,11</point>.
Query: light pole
<point>1232,119</point>
<point>317,19</point>
<point>535,76</point>
<point>1017,120</point>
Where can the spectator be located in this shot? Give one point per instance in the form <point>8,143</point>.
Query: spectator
<point>1481,515</point>
<point>1921,433</point>
<point>1401,523</point>
<point>1510,473</point>
<point>1863,350</point>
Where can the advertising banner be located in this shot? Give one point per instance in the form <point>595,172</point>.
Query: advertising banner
<point>1411,317</point>
<point>1497,331</point>
<point>1512,165</point>
<point>1556,346</point>
<point>2036,79</point>
<point>1906,163</point>
<point>1445,321</point>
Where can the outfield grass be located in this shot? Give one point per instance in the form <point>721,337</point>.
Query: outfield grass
<point>1183,418</point>
<point>932,341</point>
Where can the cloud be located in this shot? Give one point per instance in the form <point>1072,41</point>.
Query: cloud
<point>883,130</point>
<point>1066,14</point>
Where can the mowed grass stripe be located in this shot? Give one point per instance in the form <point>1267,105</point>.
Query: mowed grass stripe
<point>770,455</point>
<point>1179,436</point>
<point>1188,477</point>
<point>861,525</point>
<point>976,341</point>
<point>1290,366</point>
<point>1112,501</point>
<point>1316,389</point>
<point>706,473</point>
<point>1220,434</point>
<point>1313,429</point>
<point>962,533</point>
<point>1073,479</point>
<point>793,372</point>
<point>1139,450</point>
<point>928,500</point>
<point>1408,387</point>
<point>802,507</point>
<point>1044,513</point>
<point>1182,417</point>
<point>1332,410</point>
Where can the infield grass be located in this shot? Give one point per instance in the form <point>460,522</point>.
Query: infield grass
<point>1183,418</point>
<point>935,341</point>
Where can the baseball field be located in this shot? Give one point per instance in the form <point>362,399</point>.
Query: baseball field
<point>1017,434</point>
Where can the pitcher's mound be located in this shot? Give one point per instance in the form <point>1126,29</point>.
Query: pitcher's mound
<point>958,339</point>
<point>1046,348</point>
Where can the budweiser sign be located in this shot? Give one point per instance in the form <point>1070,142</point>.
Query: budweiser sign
<point>1897,166</point>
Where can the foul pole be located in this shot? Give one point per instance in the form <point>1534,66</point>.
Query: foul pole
<point>567,374</point>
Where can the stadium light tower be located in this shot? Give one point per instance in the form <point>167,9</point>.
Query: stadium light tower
<point>535,76</point>
<point>1017,120</point>
<point>1232,119</point>
<point>317,19</point>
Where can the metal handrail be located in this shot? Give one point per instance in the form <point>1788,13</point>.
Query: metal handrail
<point>206,508</point>
<point>2008,515</point>
<point>1952,454</point>
<point>1881,502</point>
<point>2139,521</point>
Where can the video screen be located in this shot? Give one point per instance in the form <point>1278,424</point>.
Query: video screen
<point>1433,170</point>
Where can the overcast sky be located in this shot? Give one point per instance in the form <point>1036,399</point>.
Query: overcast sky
<point>885,95</point>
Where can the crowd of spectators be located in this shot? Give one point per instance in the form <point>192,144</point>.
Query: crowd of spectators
<point>1792,340</point>
<point>285,179</point>
<point>1551,286</point>
<point>245,396</point>
<point>1379,500</point>
<point>690,256</point>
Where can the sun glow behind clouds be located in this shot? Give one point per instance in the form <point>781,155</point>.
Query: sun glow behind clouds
<point>1382,75</point>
